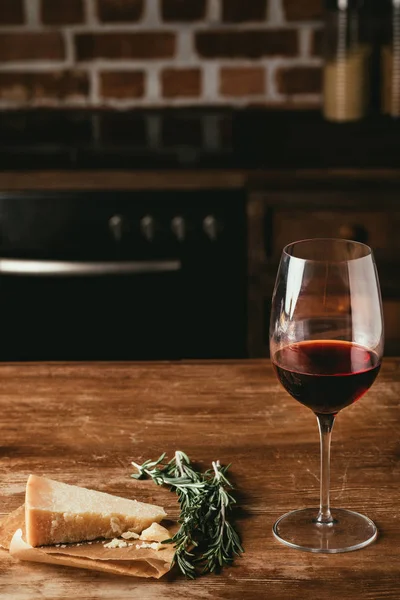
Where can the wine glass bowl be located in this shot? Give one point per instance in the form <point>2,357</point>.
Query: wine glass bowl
<point>326,342</point>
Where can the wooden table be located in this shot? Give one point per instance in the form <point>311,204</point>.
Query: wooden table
<point>84,423</point>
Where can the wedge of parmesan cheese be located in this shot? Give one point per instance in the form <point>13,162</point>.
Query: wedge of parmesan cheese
<point>60,513</point>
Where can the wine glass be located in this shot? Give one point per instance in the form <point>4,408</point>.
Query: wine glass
<point>326,341</point>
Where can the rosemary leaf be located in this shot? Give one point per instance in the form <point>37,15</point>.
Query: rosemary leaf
<point>206,540</point>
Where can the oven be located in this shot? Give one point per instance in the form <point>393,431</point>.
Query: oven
<point>142,275</point>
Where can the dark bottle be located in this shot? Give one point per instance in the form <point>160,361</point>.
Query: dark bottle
<point>390,63</point>
<point>347,61</point>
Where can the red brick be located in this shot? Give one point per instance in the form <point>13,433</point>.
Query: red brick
<point>317,42</point>
<point>247,44</point>
<point>181,83</point>
<point>242,81</point>
<point>11,12</point>
<point>118,11</point>
<point>23,87</point>
<point>303,10</point>
<point>62,12</point>
<point>31,46</point>
<point>239,11</point>
<point>146,45</point>
<point>122,84</point>
<point>183,10</point>
<point>299,80</point>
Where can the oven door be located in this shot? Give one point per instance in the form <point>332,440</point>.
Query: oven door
<point>58,310</point>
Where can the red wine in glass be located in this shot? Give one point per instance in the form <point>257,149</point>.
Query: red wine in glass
<point>326,344</point>
<point>326,375</point>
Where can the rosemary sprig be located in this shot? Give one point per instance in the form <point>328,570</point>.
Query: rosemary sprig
<point>206,540</point>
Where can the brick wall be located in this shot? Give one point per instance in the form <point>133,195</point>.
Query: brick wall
<point>126,53</point>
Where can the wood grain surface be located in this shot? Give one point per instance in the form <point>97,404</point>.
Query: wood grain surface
<point>185,179</point>
<point>84,423</point>
<point>121,180</point>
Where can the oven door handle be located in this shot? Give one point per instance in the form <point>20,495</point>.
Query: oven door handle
<point>55,268</point>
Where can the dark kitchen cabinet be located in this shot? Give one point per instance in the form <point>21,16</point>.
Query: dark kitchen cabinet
<point>367,212</point>
<point>261,211</point>
<point>123,275</point>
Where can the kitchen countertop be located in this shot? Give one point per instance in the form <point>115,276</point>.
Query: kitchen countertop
<point>195,148</point>
<point>179,179</point>
<point>84,423</point>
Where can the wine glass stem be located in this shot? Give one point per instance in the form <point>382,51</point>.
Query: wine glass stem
<point>325,424</point>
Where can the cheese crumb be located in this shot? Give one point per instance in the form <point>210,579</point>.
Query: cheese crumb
<point>155,533</point>
<point>130,535</point>
<point>116,543</point>
<point>115,525</point>
<point>152,546</point>
<point>63,545</point>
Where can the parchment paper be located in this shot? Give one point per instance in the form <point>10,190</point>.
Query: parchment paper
<point>133,561</point>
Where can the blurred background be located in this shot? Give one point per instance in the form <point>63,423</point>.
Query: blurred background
<point>156,155</point>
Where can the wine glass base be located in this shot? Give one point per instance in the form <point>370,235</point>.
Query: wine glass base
<point>349,531</point>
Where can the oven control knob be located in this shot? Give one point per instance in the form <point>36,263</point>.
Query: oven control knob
<point>210,227</point>
<point>117,226</point>
<point>148,228</point>
<point>178,227</point>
